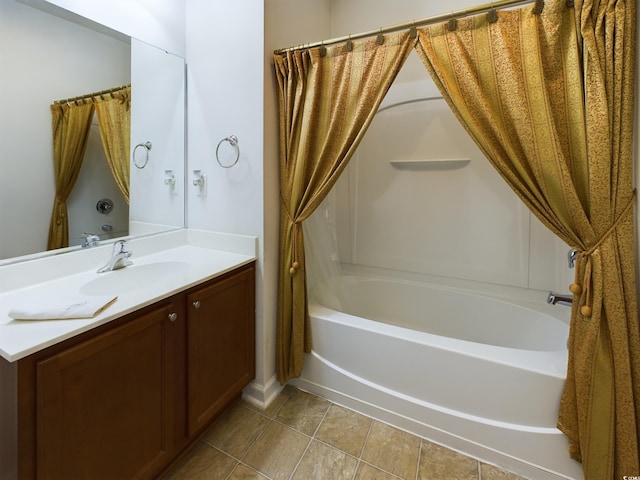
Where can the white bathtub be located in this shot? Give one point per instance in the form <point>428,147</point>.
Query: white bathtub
<point>480,375</point>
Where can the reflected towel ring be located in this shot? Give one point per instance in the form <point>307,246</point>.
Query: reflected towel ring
<point>233,140</point>
<point>147,147</point>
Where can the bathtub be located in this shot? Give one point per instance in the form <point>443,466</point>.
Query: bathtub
<point>475,373</point>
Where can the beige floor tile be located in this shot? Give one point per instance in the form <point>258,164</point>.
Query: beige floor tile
<point>269,450</point>
<point>344,429</point>
<point>489,472</point>
<point>242,472</point>
<point>322,462</point>
<point>437,462</point>
<point>303,411</point>
<point>277,451</point>
<point>367,472</point>
<point>203,463</point>
<point>237,430</point>
<point>392,450</point>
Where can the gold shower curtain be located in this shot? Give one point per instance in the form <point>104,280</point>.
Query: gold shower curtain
<point>327,98</point>
<point>549,100</point>
<point>71,124</point>
<point>114,118</point>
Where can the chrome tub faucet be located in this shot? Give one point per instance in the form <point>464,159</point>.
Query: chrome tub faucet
<point>558,299</point>
<point>119,257</point>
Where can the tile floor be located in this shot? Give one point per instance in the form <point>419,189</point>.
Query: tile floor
<point>303,437</point>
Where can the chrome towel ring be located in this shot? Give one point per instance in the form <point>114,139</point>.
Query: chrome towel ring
<point>147,147</point>
<point>233,140</point>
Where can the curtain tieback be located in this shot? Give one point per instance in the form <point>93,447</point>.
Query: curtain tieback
<point>586,300</point>
<point>295,264</point>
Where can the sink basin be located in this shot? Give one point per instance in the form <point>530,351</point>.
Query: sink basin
<point>132,278</point>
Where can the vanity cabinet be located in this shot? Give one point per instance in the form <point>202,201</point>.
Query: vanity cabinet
<point>125,399</point>
<point>104,406</point>
<point>220,345</point>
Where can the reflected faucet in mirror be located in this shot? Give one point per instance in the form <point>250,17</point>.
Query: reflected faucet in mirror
<point>90,240</point>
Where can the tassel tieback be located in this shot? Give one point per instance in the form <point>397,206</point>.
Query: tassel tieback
<point>576,289</point>
<point>294,268</point>
<point>586,300</point>
<point>295,264</point>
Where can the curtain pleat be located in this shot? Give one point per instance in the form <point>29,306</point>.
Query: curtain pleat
<point>114,118</point>
<point>327,97</point>
<point>71,124</point>
<point>549,100</point>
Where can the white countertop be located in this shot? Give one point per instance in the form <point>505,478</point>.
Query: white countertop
<point>163,265</point>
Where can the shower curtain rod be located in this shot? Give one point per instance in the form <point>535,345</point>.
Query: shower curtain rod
<point>90,95</point>
<point>417,23</point>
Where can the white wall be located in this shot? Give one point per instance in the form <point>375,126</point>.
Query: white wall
<point>231,92</point>
<point>158,22</point>
<point>157,116</point>
<point>40,63</point>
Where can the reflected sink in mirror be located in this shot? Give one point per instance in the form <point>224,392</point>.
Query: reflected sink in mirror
<point>134,277</point>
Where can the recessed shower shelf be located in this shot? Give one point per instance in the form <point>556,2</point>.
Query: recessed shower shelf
<point>431,164</point>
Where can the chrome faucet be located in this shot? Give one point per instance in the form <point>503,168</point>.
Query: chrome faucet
<point>119,257</point>
<point>555,298</point>
<point>90,240</point>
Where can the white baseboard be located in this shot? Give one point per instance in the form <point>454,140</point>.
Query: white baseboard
<point>260,395</point>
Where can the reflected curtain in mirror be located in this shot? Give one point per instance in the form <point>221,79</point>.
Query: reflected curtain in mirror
<point>549,100</point>
<point>327,97</point>
<point>71,124</point>
<point>114,119</point>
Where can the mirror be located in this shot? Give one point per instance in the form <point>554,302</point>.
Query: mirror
<point>46,57</point>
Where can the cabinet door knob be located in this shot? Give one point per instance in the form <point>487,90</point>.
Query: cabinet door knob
<point>196,304</point>
<point>173,317</point>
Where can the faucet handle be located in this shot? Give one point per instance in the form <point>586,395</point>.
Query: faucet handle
<point>120,246</point>
<point>571,257</point>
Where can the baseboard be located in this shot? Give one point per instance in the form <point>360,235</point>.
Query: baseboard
<point>260,395</point>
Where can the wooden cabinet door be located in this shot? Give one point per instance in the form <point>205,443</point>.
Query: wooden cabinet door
<point>220,345</point>
<point>104,406</point>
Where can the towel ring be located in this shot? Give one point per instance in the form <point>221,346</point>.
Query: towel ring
<point>147,147</point>
<point>233,140</point>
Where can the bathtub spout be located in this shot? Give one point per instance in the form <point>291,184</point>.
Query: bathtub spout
<point>557,298</point>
